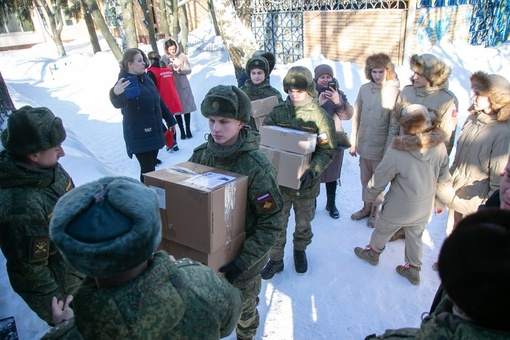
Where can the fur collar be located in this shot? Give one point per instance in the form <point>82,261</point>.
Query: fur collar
<point>425,140</point>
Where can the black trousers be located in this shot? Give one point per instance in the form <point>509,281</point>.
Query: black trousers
<point>147,162</point>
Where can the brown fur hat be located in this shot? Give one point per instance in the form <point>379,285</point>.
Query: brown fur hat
<point>415,119</point>
<point>380,60</point>
<point>497,88</point>
<point>431,67</point>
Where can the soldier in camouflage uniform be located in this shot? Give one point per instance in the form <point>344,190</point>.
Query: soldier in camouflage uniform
<point>473,266</point>
<point>31,181</point>
<point>258,87</point>
<point>109,230</point>
<point>301,112</point>
<point>234,147</point>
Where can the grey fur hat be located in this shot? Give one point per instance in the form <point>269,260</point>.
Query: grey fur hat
<point>107,227</point>
<point>227,101</point>
<point>300,78</point>
<point>32,129</point>
<point>431,67</point>
<point>257,62</point>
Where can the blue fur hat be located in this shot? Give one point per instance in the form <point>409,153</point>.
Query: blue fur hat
<point>107,227</point>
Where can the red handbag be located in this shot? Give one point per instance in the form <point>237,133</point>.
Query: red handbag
<point>169,138</point>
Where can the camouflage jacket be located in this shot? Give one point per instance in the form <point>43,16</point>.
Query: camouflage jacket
<point>36,270</point>
<point>264,205</point>
<point>444,324</point>
<point>170,300</point>
<point>260,91</point>
<point>308,117</point>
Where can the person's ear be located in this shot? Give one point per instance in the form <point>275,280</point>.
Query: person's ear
<point>34,157</point>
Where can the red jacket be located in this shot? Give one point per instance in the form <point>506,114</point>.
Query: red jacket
<point>164,79</point>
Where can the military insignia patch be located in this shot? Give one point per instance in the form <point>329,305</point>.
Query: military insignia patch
<point>323,138</point>
<point>266,202</point>
<point>40,248</point>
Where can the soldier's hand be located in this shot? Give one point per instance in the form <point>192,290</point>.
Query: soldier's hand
<point>306,179</point>
<point>61,310</point>
<point>231,271</point>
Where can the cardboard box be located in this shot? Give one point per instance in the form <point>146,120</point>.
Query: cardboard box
<point>201,207</point>
<point>288,139</point>
<point>218,258</point>
<point>260,108</point>
<point>289,166</point>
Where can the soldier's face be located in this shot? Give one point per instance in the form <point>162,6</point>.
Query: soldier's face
<point>504,188</point>
<point>297,96</point>
<point>47,158</point>
<point>420,81</point>
<point>481,103</point>
<point>257,76</point>
<point>379,75</point>
<point>224,131</point>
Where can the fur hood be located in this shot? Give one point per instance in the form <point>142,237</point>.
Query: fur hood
<point>420,128</point>
<point>380,60</point>
<point>497,88</point>
<point>431,67</point>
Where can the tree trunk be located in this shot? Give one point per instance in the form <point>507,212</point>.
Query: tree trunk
<point>237,38</point>
<point>164,18</point>
<point>101,24</point>
<point>244,12</point>
<point>175,19</point>
<point>150,24</point>
<point>128,23</point>
<point>90,28</point>
<point>215,22</point>
<point>6,104</point>
<point>52,20</point>
<point>183,24</point>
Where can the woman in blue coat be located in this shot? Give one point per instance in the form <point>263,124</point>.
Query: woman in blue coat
<point>142,110</point>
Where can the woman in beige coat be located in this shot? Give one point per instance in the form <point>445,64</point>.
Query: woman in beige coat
<point>482,147</point>
<point>416,164</point>
<point>372,127</point>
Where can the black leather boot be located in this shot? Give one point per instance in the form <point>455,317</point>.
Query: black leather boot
<point>330,206</point>
<point>187,118</point>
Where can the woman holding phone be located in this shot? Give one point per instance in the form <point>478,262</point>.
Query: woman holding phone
<point>335,103</point>
<point>142,110</point>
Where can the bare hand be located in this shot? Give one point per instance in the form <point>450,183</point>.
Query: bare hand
<point>120,86</point>
<point>61,310</point>
<point>352,151</point>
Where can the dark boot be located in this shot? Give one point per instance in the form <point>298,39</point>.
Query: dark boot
<point>187,118</point>
<point>271,268</point>
<point>300,261</point>
<point>178,118</point>
<point>330,206</point>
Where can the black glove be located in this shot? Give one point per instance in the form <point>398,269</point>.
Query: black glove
<point>306,179</point>
<point>231,271</point>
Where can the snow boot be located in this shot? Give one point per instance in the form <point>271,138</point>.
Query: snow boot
<point>158,162</point>
<point>410,272</point>
<point>362,213</point>
<point>398,235</point>
<point>330,206</point>
<point>187,118</point>
<point>373,216</point>
<point>271,268</point>
<point>300,261</point>
<point>367,254</point>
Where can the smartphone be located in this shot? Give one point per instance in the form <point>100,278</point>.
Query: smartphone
<point>332,84</point>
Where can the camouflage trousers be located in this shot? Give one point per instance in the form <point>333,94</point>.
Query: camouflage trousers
<point>304,213</point>
<point>249,283</point>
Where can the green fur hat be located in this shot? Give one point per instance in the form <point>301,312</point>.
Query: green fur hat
<point>32,129</point>
<point>107,227</point>
<point>299,78</point>
<point>227,101</point>
<point>431,67</point>
<point>257,62</point>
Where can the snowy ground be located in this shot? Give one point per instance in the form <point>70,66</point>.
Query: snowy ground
<point>340,297</point>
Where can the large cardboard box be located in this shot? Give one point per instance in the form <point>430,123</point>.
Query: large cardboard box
<point>289,166</point>
<point>260,108</point>
<point>286,139</point>
<point>226,254</point>
<point>201,207</point>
